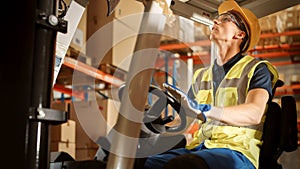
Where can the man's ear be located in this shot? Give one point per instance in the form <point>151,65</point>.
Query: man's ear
<point>240,35</point>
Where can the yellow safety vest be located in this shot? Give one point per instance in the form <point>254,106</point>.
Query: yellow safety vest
<point>232,91</point>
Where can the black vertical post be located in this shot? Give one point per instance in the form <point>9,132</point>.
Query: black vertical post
<point>26,70</point>
<point>42,72</point>
<point>39,115</point>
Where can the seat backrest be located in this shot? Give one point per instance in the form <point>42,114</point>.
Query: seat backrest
<point>280,132</point>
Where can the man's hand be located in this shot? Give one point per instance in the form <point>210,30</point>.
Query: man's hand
<point>174,91</point>
<point>191,107</point>
<point>186,104</point>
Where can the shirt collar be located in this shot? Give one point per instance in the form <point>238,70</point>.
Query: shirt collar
<point>228,64</point>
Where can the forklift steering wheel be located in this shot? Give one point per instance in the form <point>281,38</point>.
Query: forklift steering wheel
<point>153,119</point>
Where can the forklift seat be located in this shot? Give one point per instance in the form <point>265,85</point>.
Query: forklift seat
<point>280,132</point>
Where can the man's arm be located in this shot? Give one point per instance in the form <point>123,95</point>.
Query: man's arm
<point>249,113</point>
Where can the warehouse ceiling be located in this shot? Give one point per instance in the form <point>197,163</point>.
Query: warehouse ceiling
<point>261,8</point>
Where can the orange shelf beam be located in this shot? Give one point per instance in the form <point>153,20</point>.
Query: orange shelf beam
<point>185,45</point>
<point>68,91</point>
<point>91,71</point>
<point>288,89</point>
<point>275,47</point>
<point>296,86</point>
<point>286,93</point>
<point>275,54</point>
<point>287,33</point>
<point>284,63</point>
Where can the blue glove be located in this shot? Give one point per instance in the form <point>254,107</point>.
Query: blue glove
<point>191,107</point>
<point>202,107</point>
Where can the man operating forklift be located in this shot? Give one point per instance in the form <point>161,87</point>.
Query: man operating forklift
<point>237,88</point>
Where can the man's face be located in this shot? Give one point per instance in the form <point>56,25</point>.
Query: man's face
<point>224,28</point>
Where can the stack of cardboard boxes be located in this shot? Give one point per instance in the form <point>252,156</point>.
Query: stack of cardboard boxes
<point>75,137</point>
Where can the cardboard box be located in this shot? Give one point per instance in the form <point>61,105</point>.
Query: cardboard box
<point>90,118</point>
<point>292,20</point>
<point>59,105</point>
<point>86,153</point>
<point>83,147</point>
<point>67,147</point>
<point>65,132</point>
